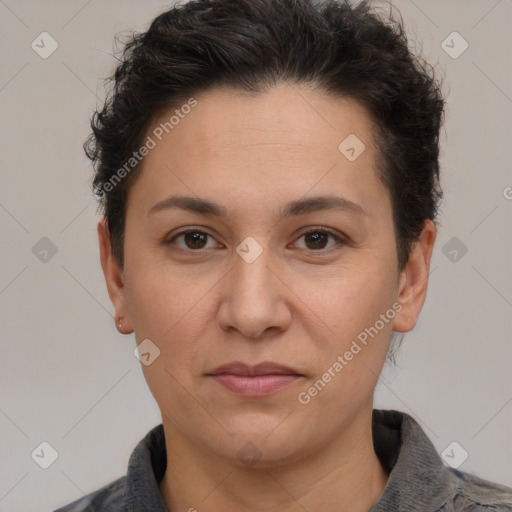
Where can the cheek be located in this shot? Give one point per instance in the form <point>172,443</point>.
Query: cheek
<point>172,310</point>
<point>350,317</point>
<point>160,298</point>
<point>174,315</point>
<point>347,299</point>
<point>351,355</point>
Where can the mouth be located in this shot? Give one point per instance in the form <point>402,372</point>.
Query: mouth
<point>255,381</point>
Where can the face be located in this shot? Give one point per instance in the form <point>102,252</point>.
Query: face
<point>251,237</point>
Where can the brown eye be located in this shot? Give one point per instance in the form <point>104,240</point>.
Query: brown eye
<point>318,240</point>
<point>195,239</point>
<point>192,240</point>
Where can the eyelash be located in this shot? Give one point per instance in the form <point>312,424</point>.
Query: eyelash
<point>340,240</point>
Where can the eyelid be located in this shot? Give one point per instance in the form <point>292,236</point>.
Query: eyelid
<point>323,229</point>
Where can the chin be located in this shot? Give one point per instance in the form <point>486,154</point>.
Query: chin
<point>259,444</point>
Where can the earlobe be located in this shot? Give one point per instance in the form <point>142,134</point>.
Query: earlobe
<point>114,279</point>
<point>413,284</point>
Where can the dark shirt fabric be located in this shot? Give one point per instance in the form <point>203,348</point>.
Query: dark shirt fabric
<point>419,481</point>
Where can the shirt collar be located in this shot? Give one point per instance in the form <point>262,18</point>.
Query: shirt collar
<point>146,468</point>
<point>418,478</point>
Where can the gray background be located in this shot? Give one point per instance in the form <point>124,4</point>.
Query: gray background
<point>70,379</point>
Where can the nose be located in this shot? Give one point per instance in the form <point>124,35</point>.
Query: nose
<point>255,301</point>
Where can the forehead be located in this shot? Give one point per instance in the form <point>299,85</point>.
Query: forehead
<point>284,115</point>
<point>290,138</point>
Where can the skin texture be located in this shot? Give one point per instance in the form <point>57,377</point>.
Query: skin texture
<point>298,304</point>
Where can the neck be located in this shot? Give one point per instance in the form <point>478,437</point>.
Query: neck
<point>345,475</point>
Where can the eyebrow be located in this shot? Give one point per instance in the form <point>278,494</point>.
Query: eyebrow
<point>293,208</point>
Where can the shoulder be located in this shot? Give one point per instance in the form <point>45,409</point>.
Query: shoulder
<point>420,480</point>
<point>110,498</point>
<point>474,494</point>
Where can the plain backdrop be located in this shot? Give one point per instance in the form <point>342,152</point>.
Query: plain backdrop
<point>68,378</point>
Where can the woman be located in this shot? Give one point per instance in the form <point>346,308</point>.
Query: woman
<point>269,177</point>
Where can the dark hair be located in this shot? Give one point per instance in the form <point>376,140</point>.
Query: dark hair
<point>349,50</point>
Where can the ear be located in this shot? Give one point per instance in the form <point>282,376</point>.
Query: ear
<point>114,279</point>
<point>413,280</point>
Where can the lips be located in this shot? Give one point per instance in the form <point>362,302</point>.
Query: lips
<point>255,381</point>
<point>265,368</point>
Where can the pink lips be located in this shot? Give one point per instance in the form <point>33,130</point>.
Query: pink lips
<point>254,381</point>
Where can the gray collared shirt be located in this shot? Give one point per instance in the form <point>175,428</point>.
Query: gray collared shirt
<point>418,481</point>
